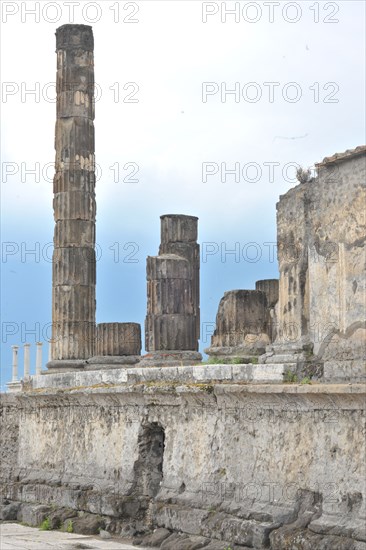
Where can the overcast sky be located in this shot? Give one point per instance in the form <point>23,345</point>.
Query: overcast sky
<point>168,133</point>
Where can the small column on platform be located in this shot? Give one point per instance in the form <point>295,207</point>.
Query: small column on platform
<point>26,361</point>
<point>15,385</point>
<point>14,377</point>
<point>38,358</point>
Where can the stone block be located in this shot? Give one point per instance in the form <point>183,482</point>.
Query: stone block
<point>118,339</point>
<point>74,303</point>
<point>170,332</point>
<point>73,178</point>
<point>73,340</point>
<point>70,37</point>
<point>178,228</point>
<point>33,514</point>
<point>9,511</point>
<point>74,205</point>
<point>69,266</point>
<point>78,233</point>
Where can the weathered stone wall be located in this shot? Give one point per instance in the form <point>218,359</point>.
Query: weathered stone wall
<point>236,463</point>
<point>9,430</point>
<point>321,252</point>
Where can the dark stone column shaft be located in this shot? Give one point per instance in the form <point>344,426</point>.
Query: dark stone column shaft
<point>73,282</point>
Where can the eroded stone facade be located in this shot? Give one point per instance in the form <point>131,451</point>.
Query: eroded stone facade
<point>238,466</point>
<point>321,228</point>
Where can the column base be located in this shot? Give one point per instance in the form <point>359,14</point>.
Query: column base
<point>65,365</point>
<point>111,361</point>
<point>236,354</point>
<point>297,352</point>
<point>170,358</point>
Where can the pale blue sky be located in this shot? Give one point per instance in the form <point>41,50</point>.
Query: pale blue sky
<point>168,133</point>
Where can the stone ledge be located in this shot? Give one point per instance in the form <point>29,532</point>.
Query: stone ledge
<point>221,378</point>
<point>15,387</point>
<point>186,374</point>
<point>353,527</point>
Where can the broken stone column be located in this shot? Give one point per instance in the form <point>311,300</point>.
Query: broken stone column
<point>241,333</point>
<point>179,236</point>
<point>270,289</point>
<point>172,321</point>
<point>117,344</point>
<point>74,263</point>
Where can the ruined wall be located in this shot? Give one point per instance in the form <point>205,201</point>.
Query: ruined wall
<point>226,462</point>
<point>9,430</point>
<point>293,306</point>
<point>321,252</point>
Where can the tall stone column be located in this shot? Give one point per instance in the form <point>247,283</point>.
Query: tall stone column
<point>74,263</point>
<point>172,321</point>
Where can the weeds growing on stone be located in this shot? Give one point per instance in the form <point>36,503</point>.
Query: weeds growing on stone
<point>69,528</point>
<point>45,525</point>
<point>290,377</point>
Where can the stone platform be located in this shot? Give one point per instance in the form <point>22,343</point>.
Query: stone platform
<point>177,375</point>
